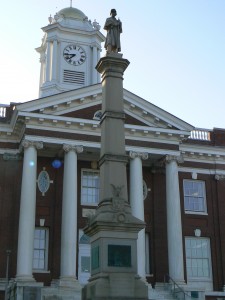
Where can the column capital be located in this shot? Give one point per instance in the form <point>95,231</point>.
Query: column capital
<point>75,148</point>
<point>219,177</point>
<point>35,144</point>
<point>141,155</point>
<point>170,158</point>
<point>112,65</point>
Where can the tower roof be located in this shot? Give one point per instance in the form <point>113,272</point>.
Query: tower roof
<point>72,12</point>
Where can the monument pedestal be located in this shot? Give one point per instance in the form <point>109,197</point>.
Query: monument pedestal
<point>114,231</point>
<point>116,287</point>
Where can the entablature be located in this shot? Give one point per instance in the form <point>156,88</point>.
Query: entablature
<point>206,154</point>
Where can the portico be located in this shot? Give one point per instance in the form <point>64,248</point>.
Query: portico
<point>70,202</point>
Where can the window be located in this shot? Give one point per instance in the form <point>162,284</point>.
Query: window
<point>97,115</point>
<point>84,258</point>
<point>194,196</point>
<point>40,256</point>
<point>198,257</point>
<point>90,187</point>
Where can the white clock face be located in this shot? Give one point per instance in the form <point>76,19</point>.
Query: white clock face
<point>74,55</point>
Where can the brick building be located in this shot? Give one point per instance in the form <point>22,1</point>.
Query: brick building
<point>49,152</point>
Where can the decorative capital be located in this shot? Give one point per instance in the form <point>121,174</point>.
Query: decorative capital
<point>141,155</point>
<point>26,144</point>
<point>170,158</point>
<point>219,177</point>
<point>75,148</point>
<point>112,65</point>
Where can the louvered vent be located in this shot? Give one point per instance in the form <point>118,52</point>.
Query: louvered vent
<point>73,77</point>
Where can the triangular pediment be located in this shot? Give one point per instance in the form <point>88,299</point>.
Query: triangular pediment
<point>75,111</point>
<point>83,103</point>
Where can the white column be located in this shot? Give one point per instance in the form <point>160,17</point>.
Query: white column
<point>48,62</point>
<point>27,211</point>
<point>137,204</point>
<point>95,60</point>
<point>174,226</point>
<point>54,60</point>
<point>42,75</point>
<point>69,215</point>
<point>98,58</point>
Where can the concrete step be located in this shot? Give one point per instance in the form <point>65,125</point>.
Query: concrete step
<point>160,293</point>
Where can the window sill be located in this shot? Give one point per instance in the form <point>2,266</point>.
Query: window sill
<point>196,213</point>
<point>41,271</point>
<point>149,275</point>
<point>199,279</point>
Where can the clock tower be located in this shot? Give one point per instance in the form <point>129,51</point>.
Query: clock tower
<point>69,52</point>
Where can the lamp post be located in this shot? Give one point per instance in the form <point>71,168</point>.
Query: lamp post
<point>8,252</point>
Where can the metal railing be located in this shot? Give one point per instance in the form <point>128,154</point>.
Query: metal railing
<point>177,291</point>
<point>2,111</point>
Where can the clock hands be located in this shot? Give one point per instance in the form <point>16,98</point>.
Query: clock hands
<point>74,55</point>
<point>69,56</point>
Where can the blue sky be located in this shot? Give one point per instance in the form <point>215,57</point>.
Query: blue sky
<point>176,50</point>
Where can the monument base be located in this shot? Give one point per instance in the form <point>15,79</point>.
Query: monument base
<point>115,286</point>
<point>63,290</point>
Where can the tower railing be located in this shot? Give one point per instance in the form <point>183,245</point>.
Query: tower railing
<point>3,110</point>
<point>200,134</point>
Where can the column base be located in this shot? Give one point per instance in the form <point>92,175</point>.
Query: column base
<point>69,282</point>
<point>25,279</point>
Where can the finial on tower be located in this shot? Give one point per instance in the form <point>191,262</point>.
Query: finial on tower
<point>71,3</point>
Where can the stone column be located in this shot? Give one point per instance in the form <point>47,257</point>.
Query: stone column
<point>42,72</point>
<point>174,225</point>
<point>113,174</point>
<point>137,204</point>
<point>69,216</point>
<point>27,212</point>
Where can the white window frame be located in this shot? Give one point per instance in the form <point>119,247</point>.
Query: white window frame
<point>197,257</point>
<point>91,189</point>
<point>147,254</point>
<point>84,250</point>
<point>196,198</point>
<point>44,250</point>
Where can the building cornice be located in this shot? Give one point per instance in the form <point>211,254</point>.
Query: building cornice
<point>138,103</point>
<point>201,153</point>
